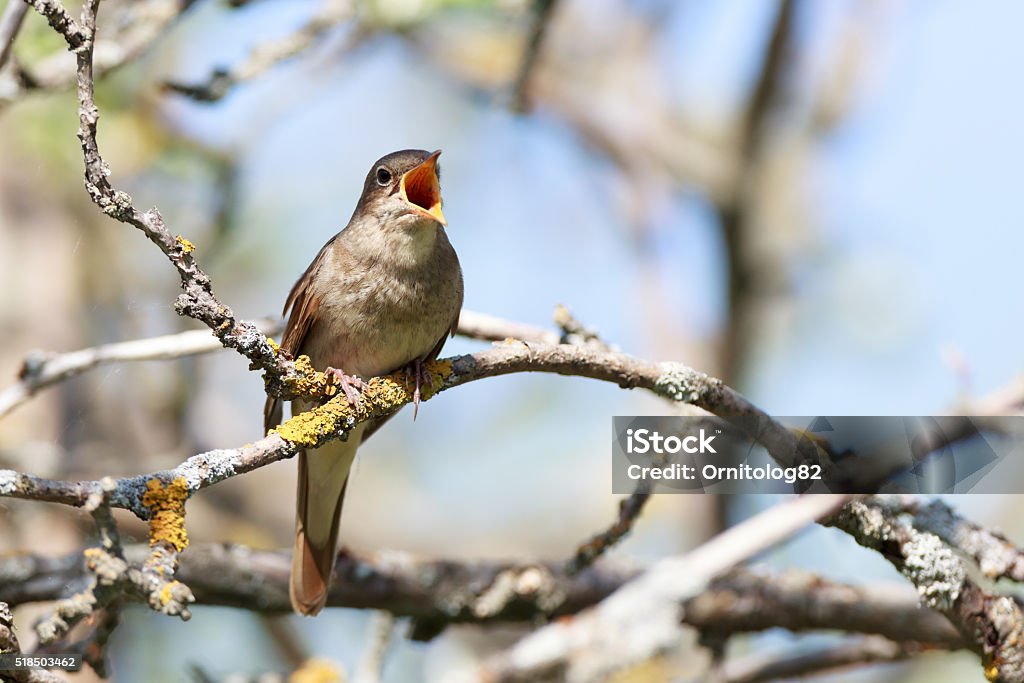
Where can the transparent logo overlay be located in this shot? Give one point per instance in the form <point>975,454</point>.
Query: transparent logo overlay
<point>838,454</point>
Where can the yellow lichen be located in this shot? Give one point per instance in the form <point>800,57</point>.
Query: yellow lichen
<point>92,555</point>
<point>305,429</point>
<point>380,396</point>
<point>317,670</point>
<point>187,247</point>
<point>167,505</point>
<point>274,345</point>
<point>167,592</point>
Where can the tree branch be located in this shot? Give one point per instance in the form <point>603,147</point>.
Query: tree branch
<point>441,591</point>
<point>42,369</point>
<point>641,619</point>
<point>992,625</point>
<point>761,668</point>
<point>384,395</point>
<point>9,644</point>
<point>10,24</point>
<point>540,19</point>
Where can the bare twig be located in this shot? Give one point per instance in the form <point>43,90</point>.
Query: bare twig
<point>575,332</point>
<point>749,273</point>
<point>641,619</point>
<point>539,21</point>
<point>761,668</point>
<point>596,546</point>
<point>10,24</point>
<point>42,369</point>
<point>142,23</point>
<point>197,299</point>
<point>270,54</point>
<point>799,601</point>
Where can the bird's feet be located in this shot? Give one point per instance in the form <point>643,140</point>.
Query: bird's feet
<point>416,374</point>
<point>350,385</point>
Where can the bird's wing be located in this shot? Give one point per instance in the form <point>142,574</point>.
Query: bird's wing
<point>303,304</point>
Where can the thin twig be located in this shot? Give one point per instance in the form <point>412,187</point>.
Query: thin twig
<point>42,369</point>
<point>629,511</point>
<point>772,666</point>
<point>540,19</point>
<point>270,54</point>
<point>140,25</point>
<point>10,24</point>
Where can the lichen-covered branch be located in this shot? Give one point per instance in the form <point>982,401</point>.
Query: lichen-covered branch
<point>440,591</point>
<point>992,625</point>
<point>9,644</point>
<point>112,578</point>
<point>384,395</point>
<point>994,554</point>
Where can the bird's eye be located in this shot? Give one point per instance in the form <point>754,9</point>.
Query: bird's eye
<point>383,176</point>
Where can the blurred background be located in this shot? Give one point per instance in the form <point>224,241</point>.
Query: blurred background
<point>817,201</point>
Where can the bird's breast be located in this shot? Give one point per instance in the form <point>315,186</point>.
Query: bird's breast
<point>378,318</point>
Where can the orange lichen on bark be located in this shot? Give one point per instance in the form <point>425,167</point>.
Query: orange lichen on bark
<point>168,507</point>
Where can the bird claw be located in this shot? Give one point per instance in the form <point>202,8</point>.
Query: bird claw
<point>418,371</point>
<point>350,385</point>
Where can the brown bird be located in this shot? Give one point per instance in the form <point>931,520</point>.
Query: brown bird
<point>382,295</point>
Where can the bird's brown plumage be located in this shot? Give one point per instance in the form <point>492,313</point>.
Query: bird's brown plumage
<point>384,292</point>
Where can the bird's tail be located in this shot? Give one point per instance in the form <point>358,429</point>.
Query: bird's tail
<point>323,475</point>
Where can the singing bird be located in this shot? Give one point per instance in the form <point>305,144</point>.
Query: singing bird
<point>382,295</point>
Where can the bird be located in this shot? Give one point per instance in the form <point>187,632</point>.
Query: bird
<point>383,295</point>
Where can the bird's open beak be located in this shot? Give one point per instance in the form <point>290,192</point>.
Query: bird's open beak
<point>420,188</point>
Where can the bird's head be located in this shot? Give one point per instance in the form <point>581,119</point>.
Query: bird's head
<point>403,190</point>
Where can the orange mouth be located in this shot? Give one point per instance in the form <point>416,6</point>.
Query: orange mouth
<point>420,188</point>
